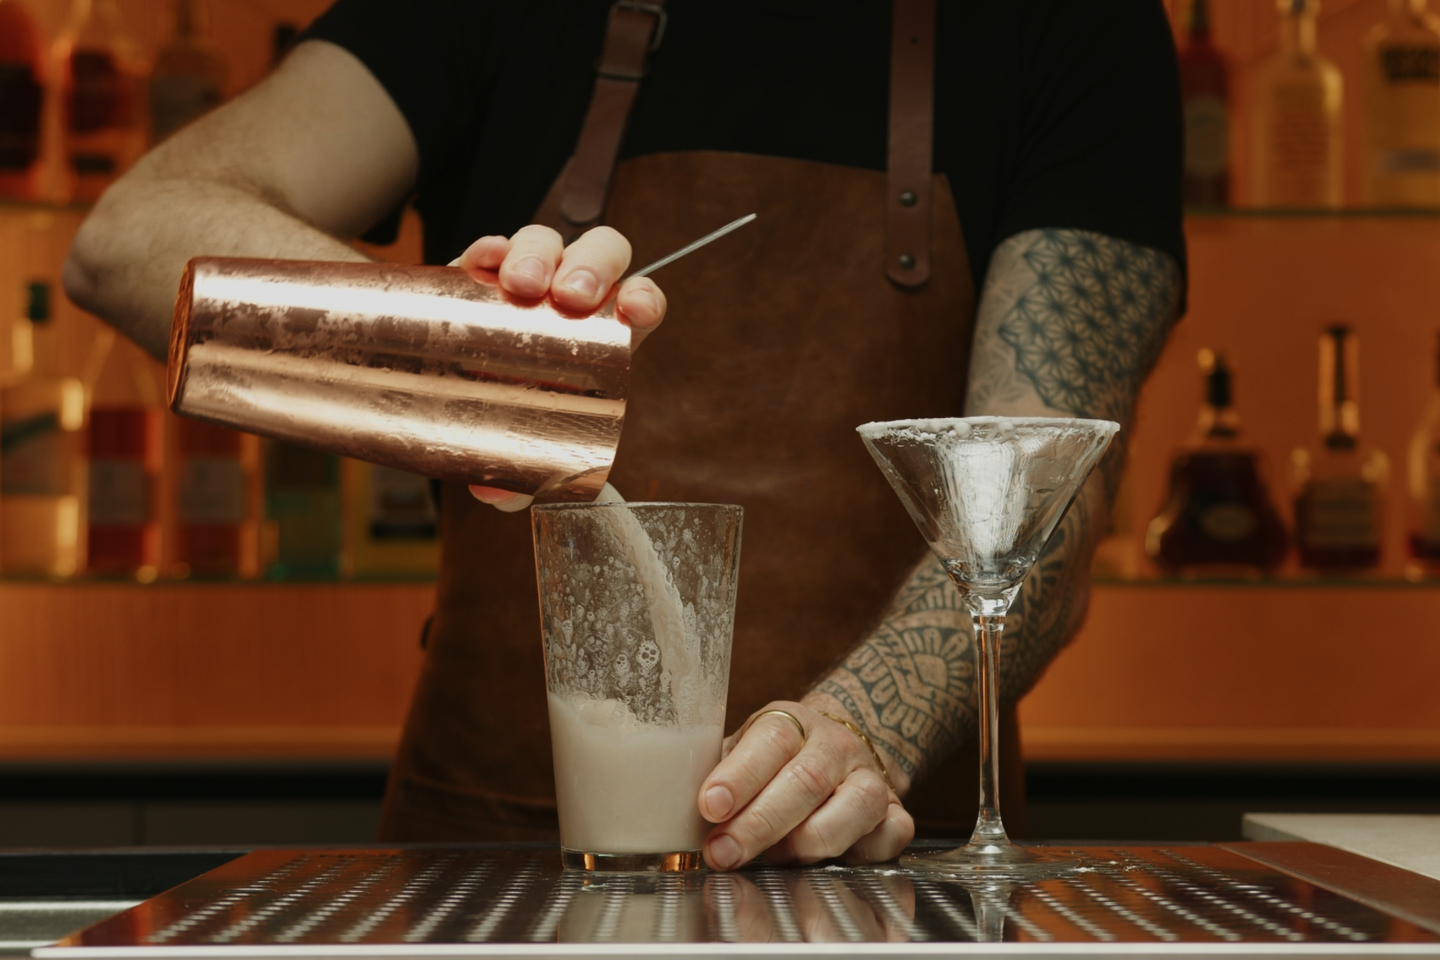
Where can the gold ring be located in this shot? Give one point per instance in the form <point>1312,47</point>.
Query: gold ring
<point>788,716</point>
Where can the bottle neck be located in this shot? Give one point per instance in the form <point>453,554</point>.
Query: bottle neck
<point>189,19</point>
<point>1200,22</point>
<point>1297,31</point>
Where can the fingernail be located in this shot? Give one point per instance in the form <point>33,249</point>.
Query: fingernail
<point>718,801</point>
<point>724,853</point>
<point>583,283</point>
<point>530,268</point>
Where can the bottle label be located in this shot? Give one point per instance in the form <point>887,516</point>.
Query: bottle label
<point>1207,136</point>
<point>1227,522</point>
<point>212,490</point>
<point>20,98</point>
<point>32,462</point>
<point>95,95</point>
<point>1300,141</point>
<point>119,492</point>
<point>400,506</point>
<point>1411,64</point>
<point>1340,514</point>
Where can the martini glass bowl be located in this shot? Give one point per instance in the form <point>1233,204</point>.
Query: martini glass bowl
<point>987,493</point>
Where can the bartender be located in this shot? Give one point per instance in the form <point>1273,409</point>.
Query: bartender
<point>999,236</point>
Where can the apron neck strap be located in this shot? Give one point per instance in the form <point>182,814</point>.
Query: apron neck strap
<point>912,119</point>
<point>636,29</point>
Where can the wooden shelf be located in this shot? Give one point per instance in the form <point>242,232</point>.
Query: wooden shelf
<point>200,671</point>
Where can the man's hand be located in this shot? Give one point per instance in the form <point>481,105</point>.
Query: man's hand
<point>536,263</point>
<point>800,800</point>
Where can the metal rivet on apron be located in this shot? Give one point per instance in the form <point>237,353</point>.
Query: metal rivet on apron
<point>907,199</point>
<point>907,261</point>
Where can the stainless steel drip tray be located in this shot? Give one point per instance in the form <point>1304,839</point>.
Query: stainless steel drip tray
<point>1257,899</point>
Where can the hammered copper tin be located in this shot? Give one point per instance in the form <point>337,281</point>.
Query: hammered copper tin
<point>425,369</point>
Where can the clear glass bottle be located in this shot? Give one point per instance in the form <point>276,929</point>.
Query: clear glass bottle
<point>390,523</point>
<point>41,463</point>
<point>1218,518</point>
<point>22,94</point>
<point>1423,486</point>
<point>1205,95</point>
<point>1341,485</point>
<point>302,513</point>
<point>101,75</point>
<point>1400,143</point>
<point>1295,132</point>
<point>189,75</point>
<point>124,449</point>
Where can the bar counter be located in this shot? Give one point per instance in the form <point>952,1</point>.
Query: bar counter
<point>1273,898</point>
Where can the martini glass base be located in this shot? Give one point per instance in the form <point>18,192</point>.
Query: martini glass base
<point>991,862</point>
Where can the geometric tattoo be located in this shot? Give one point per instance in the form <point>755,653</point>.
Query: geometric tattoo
<point>1084,332</point>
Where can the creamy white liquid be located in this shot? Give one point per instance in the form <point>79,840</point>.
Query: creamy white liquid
<point>679,648</point>
<point>627,787</point>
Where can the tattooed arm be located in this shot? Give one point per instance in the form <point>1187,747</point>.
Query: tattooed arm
<point>1069,325</point>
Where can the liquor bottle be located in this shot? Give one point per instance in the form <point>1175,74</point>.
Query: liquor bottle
<point>1423,521</point>
<point>302,513</point>
<point>1340,487</point>
<point>1218,519</point>
<point>189,75</point>
<point>124,451</point>
<point>390,523</point>
<point>215,535</point>
<point>1295,122</point>
<point>41,464</point>
<point>100,73</point>
<point>22,86</point>
<point>1400,146</point>
<point>1205,93</point>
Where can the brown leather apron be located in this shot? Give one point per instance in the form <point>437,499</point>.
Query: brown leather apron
<point>779,341</point>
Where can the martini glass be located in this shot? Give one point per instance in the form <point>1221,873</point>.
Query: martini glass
<point>987,493</point>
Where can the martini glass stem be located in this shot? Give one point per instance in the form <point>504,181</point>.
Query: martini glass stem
<point>989,832</point>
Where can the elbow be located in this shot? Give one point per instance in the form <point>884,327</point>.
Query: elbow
<point>86,266</point>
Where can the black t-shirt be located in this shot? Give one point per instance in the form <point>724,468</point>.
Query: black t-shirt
<point>1048,113</point>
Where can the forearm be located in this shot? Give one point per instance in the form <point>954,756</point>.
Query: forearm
<point>309,157</point>
<point>127,258</point>
<point>1069,325</point>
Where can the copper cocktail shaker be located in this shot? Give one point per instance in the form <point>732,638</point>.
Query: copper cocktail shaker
<point>420,368</point>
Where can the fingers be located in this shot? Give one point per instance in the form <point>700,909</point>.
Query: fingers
<point>487,253</point>
<point>506,501</point>
<point>530,264</point>
<point>589,268</point>
<point>754,757</point>
<point>887,840</point>
<point>859,807</point>
<point>641,304</point>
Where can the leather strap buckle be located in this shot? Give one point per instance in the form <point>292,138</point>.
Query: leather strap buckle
<point>655,10</point>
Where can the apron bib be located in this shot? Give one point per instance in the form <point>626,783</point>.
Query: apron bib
<point>779,341</point>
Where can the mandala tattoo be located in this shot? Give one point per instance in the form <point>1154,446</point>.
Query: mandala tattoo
<point>1092,321</point>
<point>1070,323</point>
<point>910,683</point>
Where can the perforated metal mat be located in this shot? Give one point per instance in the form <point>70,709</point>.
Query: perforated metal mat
<point>479,900</point>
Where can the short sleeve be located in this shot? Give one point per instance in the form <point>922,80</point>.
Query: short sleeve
<point>1099,136</point>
